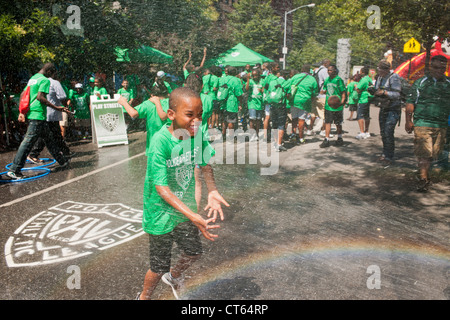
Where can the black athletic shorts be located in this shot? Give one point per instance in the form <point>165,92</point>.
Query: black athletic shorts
<point>336,117</point>
<point>187,237</point>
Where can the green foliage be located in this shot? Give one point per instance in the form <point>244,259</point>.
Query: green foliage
<point>30,33</point>
<point>311,52</point>
<point>255,25</point>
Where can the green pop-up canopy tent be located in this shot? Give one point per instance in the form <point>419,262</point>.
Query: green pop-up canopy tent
<point>143,54</point>
<point>239,56</point>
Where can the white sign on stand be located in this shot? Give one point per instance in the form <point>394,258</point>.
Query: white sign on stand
<point>108,121</point>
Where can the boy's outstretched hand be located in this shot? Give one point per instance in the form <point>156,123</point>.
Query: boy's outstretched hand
<point>214,205</point>
<point>204,227</point>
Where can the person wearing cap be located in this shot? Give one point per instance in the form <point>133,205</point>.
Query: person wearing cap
<point>91,86</point>
<point>387,96</point>
<point>79,104</point>
<point>162,75</point>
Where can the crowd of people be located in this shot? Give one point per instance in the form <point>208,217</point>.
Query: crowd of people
<point>259,97</point>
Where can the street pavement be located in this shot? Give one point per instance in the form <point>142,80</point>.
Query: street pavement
<point>322,224</point>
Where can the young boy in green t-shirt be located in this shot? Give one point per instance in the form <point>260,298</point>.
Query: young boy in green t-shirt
<point>169,201</point>
<point>79,103</point>
<point>333,86</point>
<point>126,92</point>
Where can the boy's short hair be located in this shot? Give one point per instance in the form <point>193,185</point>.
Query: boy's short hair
<point>181,93</point>
<point>365,70</point>
<point>306,68</point>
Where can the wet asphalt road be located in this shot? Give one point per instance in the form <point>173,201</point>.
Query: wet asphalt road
<point>331,224</point>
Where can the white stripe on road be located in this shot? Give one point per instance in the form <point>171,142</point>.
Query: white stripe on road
<point>59,185</point>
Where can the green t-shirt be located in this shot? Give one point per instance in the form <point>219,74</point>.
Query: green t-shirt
<point>96,90</point>
<point>172,165</point>
<point>431,99</point>
<point>207,103</point>
<point>38,83</point>
<point>80,103</point>
<point>185,73</point>
<point>127,94</point>
<point>352,93</point>
<point>147,110</point>
<point>168,86</point>
<point>270,77</point>
<point>333,87</point>
<point>306,90</point>
<point>210,82</point>
<point>363,84</point>
<point>272,89</point>
<point>255,94</point>
<point>235,90</point>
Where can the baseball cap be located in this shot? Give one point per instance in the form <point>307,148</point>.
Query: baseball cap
<point>160,74</point>
<point>78,85</point>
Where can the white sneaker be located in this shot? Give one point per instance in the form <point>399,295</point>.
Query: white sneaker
<point>367,134</point>
<point>322,133</point>
<point>309,133</point>
<point>254,138</point>
<point>361,136</point>
<point>175,284</point>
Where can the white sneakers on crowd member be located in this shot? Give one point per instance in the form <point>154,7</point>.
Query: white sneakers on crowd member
<point>362,135</point>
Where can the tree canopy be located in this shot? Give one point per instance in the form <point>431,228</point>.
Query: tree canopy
<point>37,31</point>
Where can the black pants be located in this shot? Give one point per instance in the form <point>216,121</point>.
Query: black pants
<point>36,129</point>
<point>55,137</point>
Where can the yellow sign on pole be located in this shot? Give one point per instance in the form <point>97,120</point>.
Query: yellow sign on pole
<point>412,46</point>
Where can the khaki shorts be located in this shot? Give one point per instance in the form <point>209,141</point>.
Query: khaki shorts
<point>429,142</point>
<point>65,120</point>
<point>318,108</point>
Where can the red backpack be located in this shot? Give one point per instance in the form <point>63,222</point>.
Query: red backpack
<point>24,104</point>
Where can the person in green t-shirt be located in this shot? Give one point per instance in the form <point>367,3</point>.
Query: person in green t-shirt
<point>333,86</point>
<point>162,75</point>
<point>254,86</point>
<point>278,112</point>
<point>170,210</point>
<point>127,92</point>
<point>79,103</point>
<point>303,90</point>
<point>353,97</point>
<point>217,112</point>
<point>363,111</point>
<point>39,85</point>
<point>153,110</point>
<point>427,115</point>
<point>271,74</point>
<point>188,67</point>
<point>210,86</point>
<point>234,100</point>
<point>99,89</point>
<point>195,83</point>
